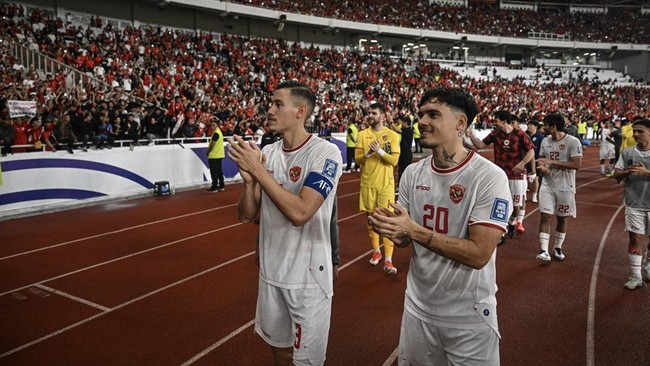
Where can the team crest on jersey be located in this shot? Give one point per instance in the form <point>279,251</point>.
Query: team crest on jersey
<point>385,138</point>
<point>294,173</point>
<point>562,147</point>
<point>506,143</point>
<point>456,193</point>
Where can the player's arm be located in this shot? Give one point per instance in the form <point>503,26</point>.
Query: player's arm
<point>249,200</point>
<point>474,252</point>
<point>300,208</point>
<point>530,155</point>
<point>359,155</point>
<point>393,157</point>
<point>574,163</point>
<point>475,140</point>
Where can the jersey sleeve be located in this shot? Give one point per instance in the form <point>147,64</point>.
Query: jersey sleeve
<point>576,149</point>
<point>325,171</point>
<point>494,202</point>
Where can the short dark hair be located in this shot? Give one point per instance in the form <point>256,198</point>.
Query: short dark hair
<point>404,119</point>
<point>533,123</point>
<point>455,98</point>
<point>504,116</point>
<point>377,105</point>
<point>300,91</point>
<point>555,119</point>
<point>642,122</point>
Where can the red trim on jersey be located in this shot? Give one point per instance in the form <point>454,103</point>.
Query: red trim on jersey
<point>450,170</point>
<point>309,136</point>
<point>489,224</point>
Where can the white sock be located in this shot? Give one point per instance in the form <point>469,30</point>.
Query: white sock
<point>512,220</point>
<point>388,259</point>
<point>602,168</point>
<point>635,264</point>
<point>543,241</point>
<point>534,196</point>
<point>559,239</point>
<point>521,215</point>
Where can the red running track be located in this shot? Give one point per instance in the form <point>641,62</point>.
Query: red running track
<point>172,281</point>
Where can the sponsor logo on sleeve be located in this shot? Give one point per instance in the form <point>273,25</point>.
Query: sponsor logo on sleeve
<point>329,170</point>
<point>500,210</point>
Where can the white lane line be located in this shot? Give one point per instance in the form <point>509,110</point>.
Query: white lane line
<point>148,250</point>
<point>392,357</point>
<point>113,232</point>
<point>591,309</point>
<point>72,326</point>
<point>124,257</point>
<point>39,340</point>
<point>72,297</point>
<point>127,229</point>
<point>245,326</point>
<point>219,343</point>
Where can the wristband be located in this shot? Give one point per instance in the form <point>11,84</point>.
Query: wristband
<point>381,152</point>
<point>368,154</point>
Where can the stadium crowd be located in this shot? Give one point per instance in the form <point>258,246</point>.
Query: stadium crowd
<point>489,20</point>
<point>162,83</point>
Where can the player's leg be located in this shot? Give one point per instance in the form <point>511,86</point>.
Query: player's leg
<point>419,343</point>
<point>634,220</point>
<point>367,204</point>
<point>273,322</point>
<point>311,311</point>
<point>384,198</point>
<point>547,210</point>
<point>518,192</point>
<point>565,208</point>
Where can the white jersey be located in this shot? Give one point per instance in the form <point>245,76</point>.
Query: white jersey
<point>299,257</point>
<point>637,187</point>
<point>565,150</point>
<point>441,291</point>
<point>606,147</point>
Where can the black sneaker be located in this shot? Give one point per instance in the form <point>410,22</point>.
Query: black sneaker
<point>502,240</point>
<point>512,231</point>
<point>213,190</point>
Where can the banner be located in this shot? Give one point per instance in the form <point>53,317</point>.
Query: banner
<point>21,108</point>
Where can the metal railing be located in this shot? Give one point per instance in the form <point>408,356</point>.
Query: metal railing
<point>47,65</point>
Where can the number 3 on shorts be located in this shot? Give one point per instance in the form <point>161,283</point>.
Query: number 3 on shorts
<point>296,342</point>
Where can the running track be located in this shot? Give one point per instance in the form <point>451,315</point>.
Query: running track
<point>172,281</point>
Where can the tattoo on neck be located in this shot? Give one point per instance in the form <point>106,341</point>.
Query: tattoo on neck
<point>448,158</point>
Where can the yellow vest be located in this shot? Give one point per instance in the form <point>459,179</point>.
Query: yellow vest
<point>352,137</point>
<point>416,130</point>
<point>217,151</point>
<point>582,128</point>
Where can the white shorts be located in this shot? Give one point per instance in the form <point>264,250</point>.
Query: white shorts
<point>518,191</point>
<point>607,153</point>
<point>558,203</point>
<point>424,344</point>
<point>298,318</point>
<point>637,221</point>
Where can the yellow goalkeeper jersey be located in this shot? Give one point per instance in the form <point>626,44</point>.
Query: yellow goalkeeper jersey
<point>377,171</point>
